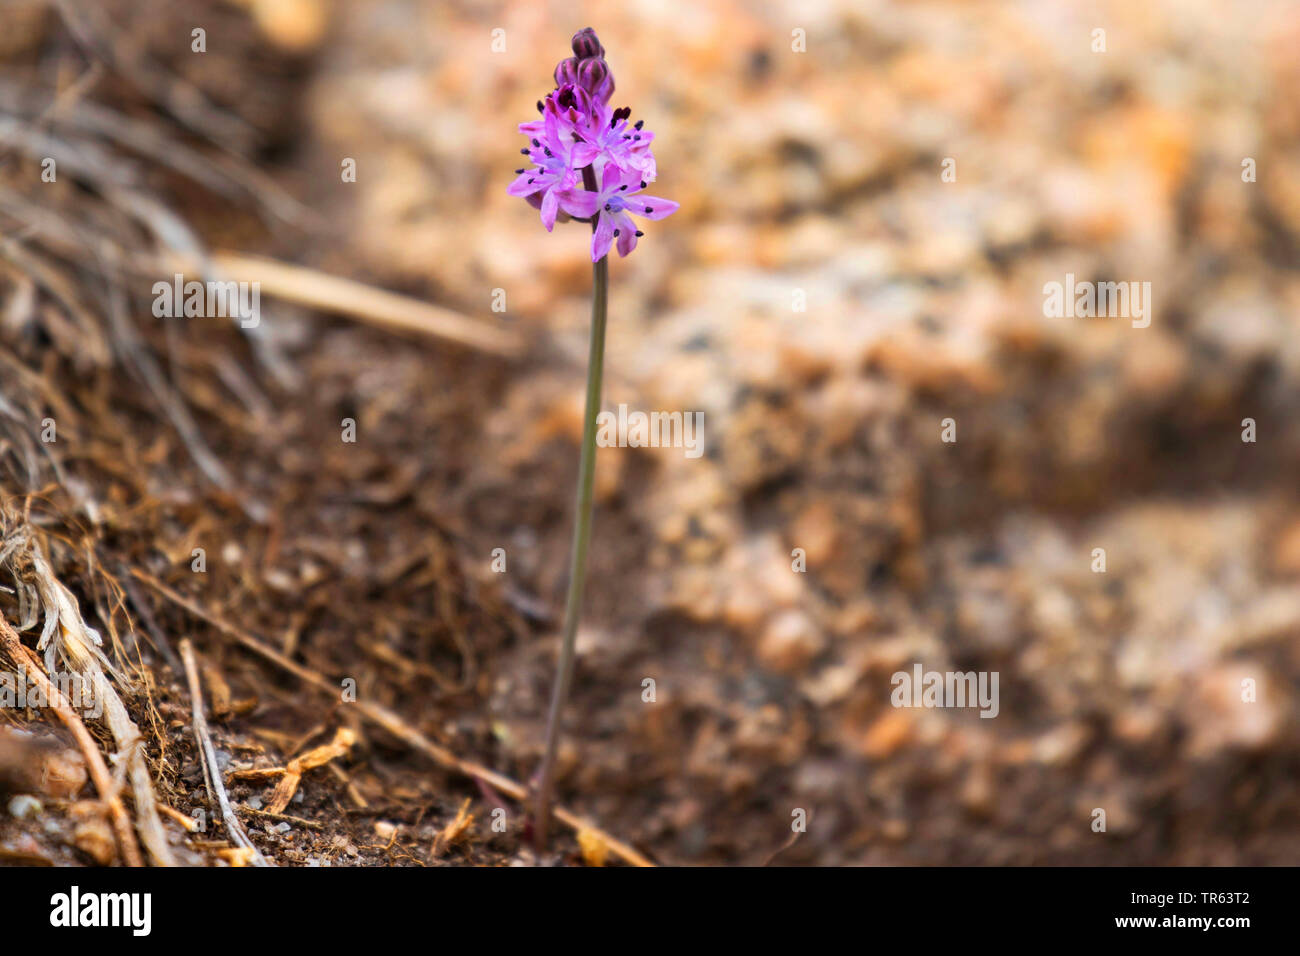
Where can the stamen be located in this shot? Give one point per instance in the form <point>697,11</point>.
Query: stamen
<point>639,233</point>
<point>639,123</point>
<point>648,210</point>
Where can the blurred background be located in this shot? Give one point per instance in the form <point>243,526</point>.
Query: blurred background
<point>806,143</point>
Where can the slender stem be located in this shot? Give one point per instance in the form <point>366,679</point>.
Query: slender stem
<point>581,535</point>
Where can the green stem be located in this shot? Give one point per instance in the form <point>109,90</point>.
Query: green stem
<point>581,536</point>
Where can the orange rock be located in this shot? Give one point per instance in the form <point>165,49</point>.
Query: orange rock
<point>815,530</point>
<point>789,643</point>
<point>1286,550</point>
<point>888,733</point>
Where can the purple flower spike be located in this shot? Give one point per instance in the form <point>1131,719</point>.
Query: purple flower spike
<point>580,141</point>
<point>589,163</point>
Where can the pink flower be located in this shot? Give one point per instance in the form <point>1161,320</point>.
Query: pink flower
<point>613,208</point>
<point>553,154</point>
<point>580,139</point>
<point>627,145</point>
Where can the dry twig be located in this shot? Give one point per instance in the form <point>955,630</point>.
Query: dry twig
<point>330,293</point>
<point>208,757</point>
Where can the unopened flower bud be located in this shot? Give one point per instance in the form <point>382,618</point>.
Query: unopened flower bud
<point>594,77</point>
<point>585,44</point>
<point>566,72</point>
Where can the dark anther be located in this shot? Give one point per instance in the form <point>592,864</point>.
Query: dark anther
<point>639,233</point>
<point>518,171</point>
<point>536,143</point>
<point>615,233</point>
<point>621,189</point>
<point>643,184</point>
<point>622,113</point>
<point>524,151</point>
<point>639,123</point>
<point>648,210</point>
<point>637,136</point>
<point>606,207</point>
<point>539,106</point>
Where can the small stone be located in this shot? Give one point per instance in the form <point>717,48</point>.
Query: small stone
<point>1286,550</point>
<point>816,530</point>
<point>92,835</point>
<point>1235,706</point>
<point>24,806</point>
<point>294,25</point>
<point>977,791</point>
<point>65,774</point>
<point>1059,746</point>
<point>789,643</point>
<point>895,830</point>
<point>889,733</point>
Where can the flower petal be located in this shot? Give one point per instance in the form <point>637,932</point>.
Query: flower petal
<point>651,207</point>
<point>611,178</point>
<point>626,233</point>
<point>550,206</point>
<point>527,183</point>
<point>602,237</point>
<point>578,202</point>
<point>584,154</point>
